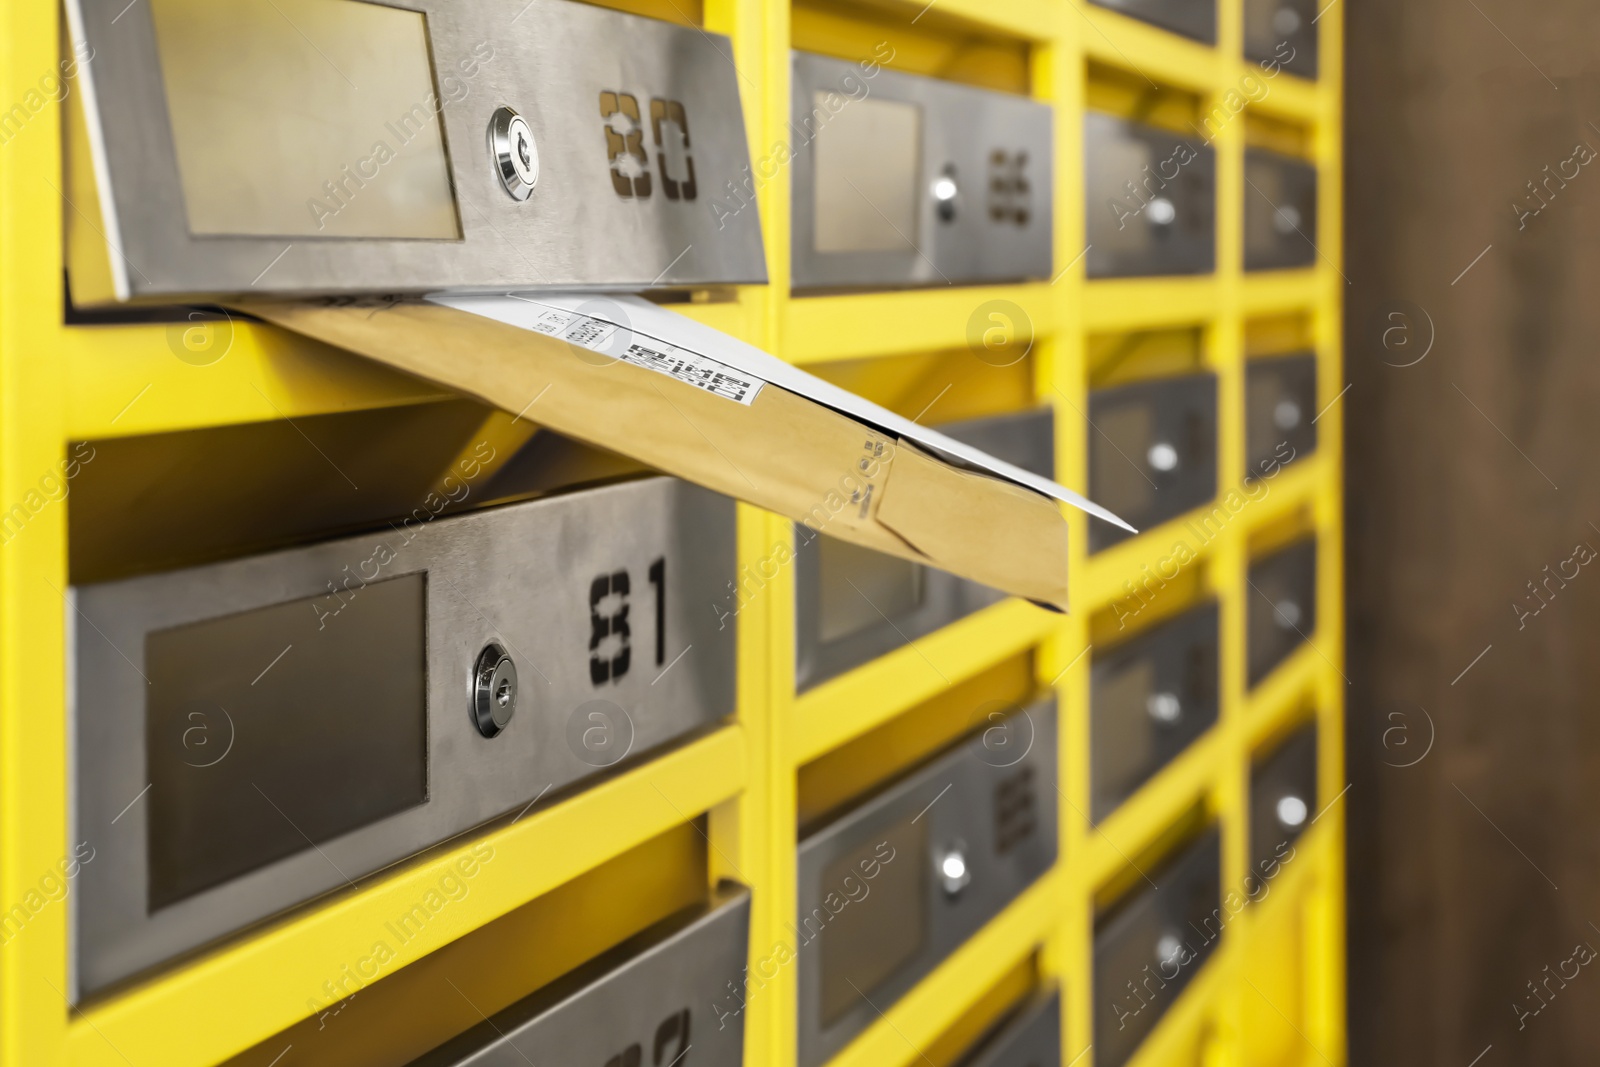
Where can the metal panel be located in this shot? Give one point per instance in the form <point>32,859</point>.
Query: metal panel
<point>1152,451</point>
<point>595,219</point>
<point>1280,211</point>
<point>1151,944</point>
<point>645,1003</point>
<point>853,605</point>
<point>1150,200</point>
<point>1029,1037</point>
<point>1149,700</point>
<point>1283,799</point>
<point>1196,19</point>
<point>903,180</point>
<point>593,595</point>
<point>1282,31</point>
<point>890,888</point>
<point>1281,606</point>
<point>1280,402</point>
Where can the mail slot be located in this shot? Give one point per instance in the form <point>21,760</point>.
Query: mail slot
<point>1152,451</point>
<point>1150,200</point>
<point>1280,404</point>
<point>1149,699</point>
<point>329,146</point>
<point>1029,1037</point>
<point>1282,608</point>
<point>1192,18</point>
<point>645,1003</point>
<point>904,180</point>
<point>1280,211</point>
<point>1282,31</point>
<point>1150,945</point>
<point>1283,799</point>
<point>853,604</point>
<point>253,733</point>
<point>890,887</point>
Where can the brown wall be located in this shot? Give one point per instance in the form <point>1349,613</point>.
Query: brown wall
<point>1468,473</point>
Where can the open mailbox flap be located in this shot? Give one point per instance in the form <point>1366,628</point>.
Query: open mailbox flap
<point>639,379</point>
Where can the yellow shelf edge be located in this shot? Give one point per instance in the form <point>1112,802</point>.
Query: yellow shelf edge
<point>1155,54</point>
<point>818,329</point>
<point>1127,304</point>
<point>245,993</point>
<point>1116,841</point>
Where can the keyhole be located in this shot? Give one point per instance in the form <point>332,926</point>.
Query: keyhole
<point>502,696</point>
<point>522,151</point>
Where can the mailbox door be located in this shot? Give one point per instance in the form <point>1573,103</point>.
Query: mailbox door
<point>1192,18</point>
<point>1149,700</point>
<point>1282,608</point>
<point>1029,1037</point>
<point>1283,799</point>
<point>889,888</point>
<point>251,734</point>
<point>853,605</point>
<point>645,1003</point>
<point>904,180</point>
<point>1280,404</point>
<point>1150,199</point>
<point>1280,211</point>
<point>1282,31</point>
<point>1151,944</point>
<point>1152,451</point>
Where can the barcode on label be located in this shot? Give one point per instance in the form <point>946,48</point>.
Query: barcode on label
<point>688,367</point>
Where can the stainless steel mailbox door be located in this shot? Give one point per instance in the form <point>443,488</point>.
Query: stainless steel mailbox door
<point>251,734</point>
<point>1282,31</point>
<point>645,1003</point>
<point>1149,700</point>
<point>889,888</point>
<point>1282,609</point>
<point>1280,404</point>
<point>631,129</point>
<point>1283,799</point>
<point>1152,451</point>
<point>903,180</point>
<point>1149,198</point>
<point>1280,211</point>
<point>853,605</point>
<point>1192,18</point>
<point>1029,1037</point>
<point>1151,944</point>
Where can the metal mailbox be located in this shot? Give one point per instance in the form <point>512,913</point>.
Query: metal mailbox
<point>329,146</point>
<point>890,887</point>
<point>1152,451</point>
<point>1282,608</point>
<point>853,604</point>
<point>1150,945</point>
<point>1284,32</point>
<point>251,734</point>
<point>1150,200</point>
<point>644,1003</point>
<point>1280,211</point>
<point>1029,1037</point>
<point>1280,404</point>
<point>905,180</point>
<point>1149,699</point>
<point>1283,798</point>
<point>1196,19</point>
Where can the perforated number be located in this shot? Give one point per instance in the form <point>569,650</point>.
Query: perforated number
<point>673,113</point>
<point>1014,816</point>
<point>670,1049</point>
<point>1010,195</point>
<point>602,669</point>
<point>630,162</point>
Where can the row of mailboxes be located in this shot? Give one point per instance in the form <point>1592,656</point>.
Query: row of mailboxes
<point>892,884</point>
<point>251,734</point>
<point>1150,199</point>
<point>1153,444</point>
<point>1275,31</point>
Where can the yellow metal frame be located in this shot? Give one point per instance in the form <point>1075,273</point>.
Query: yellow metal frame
<point>60,384</point>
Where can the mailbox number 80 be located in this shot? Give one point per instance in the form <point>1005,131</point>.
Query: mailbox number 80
<point>630,161</point>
